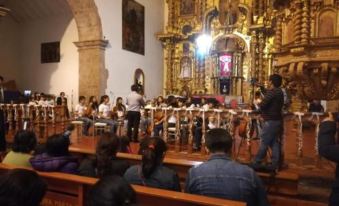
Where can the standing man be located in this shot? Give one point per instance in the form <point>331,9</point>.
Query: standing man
<point>134,102</point>
<point>271,111</point>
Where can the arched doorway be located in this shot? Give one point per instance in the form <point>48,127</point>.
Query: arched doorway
<point>91,47</point>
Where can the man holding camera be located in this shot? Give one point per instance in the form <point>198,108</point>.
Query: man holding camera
<point>271,111</point>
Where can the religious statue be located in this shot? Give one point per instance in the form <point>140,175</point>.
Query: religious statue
<point>186,68</point>
<point>229,10</point>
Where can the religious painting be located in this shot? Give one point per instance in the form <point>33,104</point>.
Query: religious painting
<point>225,65</point>
<point>187,7</point>
<point>133,26</point>
<point>50,52</point>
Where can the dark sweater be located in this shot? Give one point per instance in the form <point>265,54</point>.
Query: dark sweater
<point>330,150</point>
<point>272,104</point>
<point>88,167</point>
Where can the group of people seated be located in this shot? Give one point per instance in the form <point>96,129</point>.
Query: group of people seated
<point>218,177</point>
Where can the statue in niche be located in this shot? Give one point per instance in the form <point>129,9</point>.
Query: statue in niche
<point>229,11</point>
<point>186,68</point>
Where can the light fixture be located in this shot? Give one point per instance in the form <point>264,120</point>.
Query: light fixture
<point>3,11</point>
<point>204,43</point>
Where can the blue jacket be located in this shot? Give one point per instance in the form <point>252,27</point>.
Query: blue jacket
<point>221,177</point>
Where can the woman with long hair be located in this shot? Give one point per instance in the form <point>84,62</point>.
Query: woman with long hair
<point>151,172</point>
<point>105,113</point>
<point>105,162</point>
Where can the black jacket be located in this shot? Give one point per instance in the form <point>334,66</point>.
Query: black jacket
<point>59,101</point>
<point>272,104</point>
<point>88,167</point>
<point>329,149</point>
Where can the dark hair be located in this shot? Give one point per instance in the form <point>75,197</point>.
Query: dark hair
<point>172,101</point>
<point>24,142</point>
<point>94,105</point>
<point>82,98</point>
<point>153,152</point>
<point>57,145</point>
<point>103,98</point>
<point>218,140</point>
<point>62,93</point>
<point>112,191</point>
<point>276,80</point>
<point>107,148</point>
<point>91,98</point>
<point>134,88</point>
<point>123,145</point>
<point>21,187</point>
<point>1,78</point>
<point>120,107</point>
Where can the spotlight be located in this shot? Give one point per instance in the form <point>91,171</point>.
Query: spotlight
<point>204,43</point>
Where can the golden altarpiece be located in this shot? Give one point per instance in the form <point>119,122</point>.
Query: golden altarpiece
<point>249,40</point>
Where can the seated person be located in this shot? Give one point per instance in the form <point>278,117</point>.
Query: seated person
<point>119,111</point>
<point>221,177</point>
<point>112,191</point>
<point>151,172</point>
<point>81,115</point>
<point>57,157</point>
<point>105,115</point>
<point>22,149</point>
<point>329,148</point>
<point>159,119</point>
<point>105,163</point>
<point>21,187</point>
<point>315,106</point>
<point>198,127</point>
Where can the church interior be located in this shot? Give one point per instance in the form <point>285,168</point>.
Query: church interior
<point>172,102</point>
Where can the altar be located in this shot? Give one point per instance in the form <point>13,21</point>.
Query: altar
<point>221,55</point>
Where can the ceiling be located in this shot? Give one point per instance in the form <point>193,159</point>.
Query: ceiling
<point>23,11</point>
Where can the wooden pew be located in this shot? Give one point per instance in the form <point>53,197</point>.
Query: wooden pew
<point>283,183</point>
<point>66,189</point>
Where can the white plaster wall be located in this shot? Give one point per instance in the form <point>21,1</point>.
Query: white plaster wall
<point>51,78</point>
<point>9,49</point>
<point>120,63</point>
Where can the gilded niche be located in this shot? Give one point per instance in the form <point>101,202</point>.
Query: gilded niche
<point>228,12</point>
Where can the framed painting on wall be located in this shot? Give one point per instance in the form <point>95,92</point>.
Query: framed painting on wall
<point>187,8</point>
<point>50,52</point>
<point>133,26</point>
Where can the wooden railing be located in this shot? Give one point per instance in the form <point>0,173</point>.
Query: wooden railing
<point>41,119</point>
<point>66,189</point>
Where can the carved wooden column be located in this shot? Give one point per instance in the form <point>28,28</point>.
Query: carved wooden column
<point>92,75</point>
<point>261,47</point>
<point>298,21</point>
<point>254,55</point>
<point>261,7</point>
<point>278,34</point>
<point>305,26</point>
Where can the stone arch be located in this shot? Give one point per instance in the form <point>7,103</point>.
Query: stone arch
<point>91,47</point>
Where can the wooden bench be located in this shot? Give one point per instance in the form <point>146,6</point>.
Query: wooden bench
<point>283,183</point>
<point>66,189</point>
